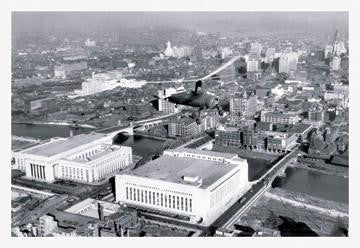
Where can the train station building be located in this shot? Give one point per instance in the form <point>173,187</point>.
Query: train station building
<point>87,158</point>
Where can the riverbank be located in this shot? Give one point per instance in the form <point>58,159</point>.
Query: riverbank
<point>22,143</point>
<point>54,123</point>
<point>278,207</point>
<point>327,169</point>
<point>151,136</point>
<point>297,199</point>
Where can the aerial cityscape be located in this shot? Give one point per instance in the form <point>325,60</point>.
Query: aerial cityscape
<point>179,124</point>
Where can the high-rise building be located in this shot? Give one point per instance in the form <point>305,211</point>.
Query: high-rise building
<point>164,104</point>
<point>252,64</point>
<point>269,55</point>
<point>288,62</point>
<point>243,103</point>
<point>90,43</point>
<point>256,48</point>
<point>328,51</point>
<point>335,63</point>
<point>183,127</point>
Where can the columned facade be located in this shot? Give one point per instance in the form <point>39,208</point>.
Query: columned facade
<point>37,171</point>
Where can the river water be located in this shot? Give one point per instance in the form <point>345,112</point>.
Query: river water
<point>40,131</point>
<point>328,187</point>
<point>141,145</point>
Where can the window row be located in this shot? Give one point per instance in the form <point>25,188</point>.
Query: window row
<point>156,188</point>
<point>159,199</point>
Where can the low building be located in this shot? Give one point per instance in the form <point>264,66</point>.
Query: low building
<point>228,136</point>
<point>94,208</point>
<point>43,103</point>
<point>64,224</point>
<point>279,118</point>
<point>65,69</point>
<point>85,158</point>
<point>280,142</point>
<point>198,185</point>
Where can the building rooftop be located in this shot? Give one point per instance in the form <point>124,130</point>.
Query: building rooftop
<point>60,145</point>
<point>90,208</point>
<point>82,224</point>
<point>279,115</point>
<point>174,169</point>
<point>299,128</point>
<point>205,152</point>
<point>183,120</point>
<point>100,152</point>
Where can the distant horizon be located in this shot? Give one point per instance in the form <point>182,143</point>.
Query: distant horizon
<point>200,21</point>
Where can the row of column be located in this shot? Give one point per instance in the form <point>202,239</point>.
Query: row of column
<point>38,171</point>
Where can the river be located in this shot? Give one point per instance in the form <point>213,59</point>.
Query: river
<point>328,187</point>
<point>141,145</point>
<point>43,131</point>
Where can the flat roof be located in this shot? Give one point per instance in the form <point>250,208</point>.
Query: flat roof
<point>62,145</point>
<point>299,128</point>
<point>173,169</point>
<point>99,153</point>
<point>205,152</point>
<point>281,115</point>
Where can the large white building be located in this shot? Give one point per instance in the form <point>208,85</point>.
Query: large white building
<point>199,185</point>
<point>177,52</point>
<point>107,81</point>
<point>85,158</point>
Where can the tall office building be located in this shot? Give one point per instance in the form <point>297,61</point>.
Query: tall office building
<point>336,63</point>
<point>288,62</point>
<point>252,64</point>
<point>164,104</point>
<point>243,103</point>
<point>256,48</point>
<point>183,127</point>
<point>270,54</point>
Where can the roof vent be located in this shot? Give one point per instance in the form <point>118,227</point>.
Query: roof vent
<point>191,179</point>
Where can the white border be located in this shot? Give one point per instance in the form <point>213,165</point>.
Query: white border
<point>184,5</point>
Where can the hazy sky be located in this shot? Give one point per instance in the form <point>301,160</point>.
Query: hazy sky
<point>207,21</point>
